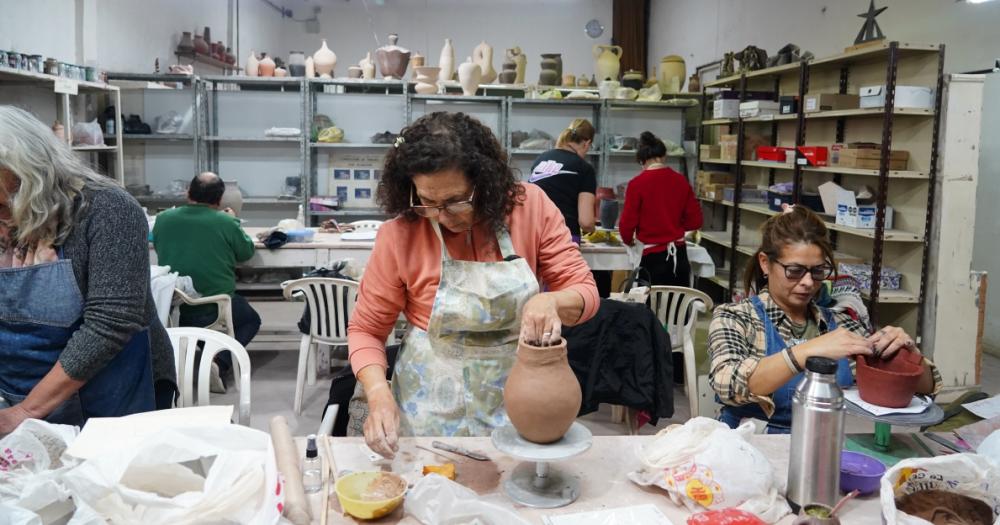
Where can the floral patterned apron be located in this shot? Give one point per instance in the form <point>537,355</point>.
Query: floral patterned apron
<point>449,379</point>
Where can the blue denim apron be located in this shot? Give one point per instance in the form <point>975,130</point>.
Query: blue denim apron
<point>781,421</point>
<point>40,308</point>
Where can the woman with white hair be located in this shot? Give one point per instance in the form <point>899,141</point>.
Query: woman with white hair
<point>76,315</point>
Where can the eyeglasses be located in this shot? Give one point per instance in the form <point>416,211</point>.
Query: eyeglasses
<point>795,272</point>
<point>455,208</point>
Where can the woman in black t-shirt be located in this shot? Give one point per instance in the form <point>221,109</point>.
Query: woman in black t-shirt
<point>567,178</point>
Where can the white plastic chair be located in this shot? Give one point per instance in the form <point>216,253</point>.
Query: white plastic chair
<point>365,225</point>
<point>678,307</point>
<point>331,303</point>
<point>224,323</point>
<point>185,340</point>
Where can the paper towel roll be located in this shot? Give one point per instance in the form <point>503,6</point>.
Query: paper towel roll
<point>287,456</point>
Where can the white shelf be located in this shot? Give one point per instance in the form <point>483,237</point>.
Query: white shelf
<point>151,137</point>
<point>894,174</point>
<point>95,148</point>
<point>870,112</point>
<point>893,297</point>
<point>348,145</point>
<point>217,138</point>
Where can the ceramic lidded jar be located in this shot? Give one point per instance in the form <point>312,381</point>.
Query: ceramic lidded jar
<point>672,74</point>
<point>542,395</point>
<point>607,61</point>
<point>266,66</point>
<point>324,60</point>
<point>253,65</point>
<point>469,76</point>
<point>447,60</point>
<point>392,59</point>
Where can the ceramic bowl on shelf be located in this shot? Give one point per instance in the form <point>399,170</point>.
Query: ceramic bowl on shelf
<point>860,471</point>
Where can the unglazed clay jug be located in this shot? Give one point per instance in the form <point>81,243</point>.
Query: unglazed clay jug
<point>324,60</point>
<point>266,66</point>
<point>392,59</point>
<point>427,78</point>
<point>551,72</point>
<point>542,395</point>
<point>232,197</point>
<point>483,56</point>
<point>672,74</point>
<point>607,62</point>
<point>253,65</point>
<point>469,76</point>
<point>447,61</point>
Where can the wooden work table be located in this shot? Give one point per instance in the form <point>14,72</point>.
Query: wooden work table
<point>602,470</point>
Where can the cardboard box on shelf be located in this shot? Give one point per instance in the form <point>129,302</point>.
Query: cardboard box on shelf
<point>710,151</point>
<point>728,143</point>
<point>788,105</point>
<point>714,192</point>
<point>918,97</point>
<point>812,156</point>
<point>749,195</point>
<point>889,278</point>
<point>816,102</point>
<point>865,157</point>
<point>758,108</point>
<point>715,177</point>
<point>854,215</point>
<point>726,108</point>
<point>734,94</point>
<point>771,153</point>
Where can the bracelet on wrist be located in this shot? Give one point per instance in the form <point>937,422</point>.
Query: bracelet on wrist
<point>791,358</point>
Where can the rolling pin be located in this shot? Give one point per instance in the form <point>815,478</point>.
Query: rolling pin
<point>286,455</point>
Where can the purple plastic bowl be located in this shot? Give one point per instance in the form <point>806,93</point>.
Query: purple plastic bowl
<point>860,471</point>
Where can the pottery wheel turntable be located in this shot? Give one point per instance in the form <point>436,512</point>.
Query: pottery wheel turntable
<point>881,444</point>
<point>534,483</point>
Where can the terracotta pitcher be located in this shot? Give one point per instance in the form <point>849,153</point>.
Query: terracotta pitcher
<point>607,61</point>
<point>542,395</point>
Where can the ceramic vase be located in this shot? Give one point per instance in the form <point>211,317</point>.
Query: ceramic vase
<point>569,80</point>
<point>220,46</point>
<point>297,63</point>
<point>469,76</point>
<point>607,61</point>
<point>551,69</point>
<point>447,60</point>
<point>483,56</point>
<point>632,79</point>
<point>522,64</point>
<point>509,72</point>
<point>367,67</point>
<point>253,65</point>
<point>232,197</point>
<point>609,213</point>
<point>392,59</point>
<point>324,60</point>
<point>230,57</point>
<point>354,72</point>
<point>201,46</point>
<point>207,35</point>
<point>694,83</point>
<point>416,60</point>
<point>310,68</point>
<point>542,395</point>
<point>672,74</point>
<point>266,66</point>
<point>186,45</point>
<point>427,78</point>
<point>280,72</point>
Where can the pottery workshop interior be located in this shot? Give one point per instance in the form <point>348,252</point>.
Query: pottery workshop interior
<point>505,262</point>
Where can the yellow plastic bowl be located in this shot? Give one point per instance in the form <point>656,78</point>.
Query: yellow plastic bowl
<point>351,487</point>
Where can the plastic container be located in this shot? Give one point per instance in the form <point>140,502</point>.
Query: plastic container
<point>301,235</point>
<point>351,488</point>
<point>860,471</point>
<point>772,153</point>
<point>889,383</point>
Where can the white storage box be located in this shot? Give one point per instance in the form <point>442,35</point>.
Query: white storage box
<point>918,97</point>
<point>756,108</point>
<point>726,108</point>
<point>861,216</point>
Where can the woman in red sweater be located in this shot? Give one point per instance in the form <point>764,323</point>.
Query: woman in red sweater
<point>659,207</point>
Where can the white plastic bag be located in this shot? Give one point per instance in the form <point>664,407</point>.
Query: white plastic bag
<point>87,134</point>
<point>30,488</point>
<point>436,500</point>
<point>180,476</point>
<point>971,475</point>
<point>704,464</point>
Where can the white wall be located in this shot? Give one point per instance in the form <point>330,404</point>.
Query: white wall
<point>552,26</point>
<point>986,256</point>
<point>44,27</point>
<point>702,30</point>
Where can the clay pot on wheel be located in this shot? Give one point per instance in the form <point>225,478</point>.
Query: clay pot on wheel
<point>889,383</point>
<point>542,395</point>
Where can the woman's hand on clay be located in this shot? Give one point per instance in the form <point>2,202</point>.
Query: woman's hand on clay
<point>837,344</point>
<point>540,323</point>
<point>889,340</point>
<point>382,425</point>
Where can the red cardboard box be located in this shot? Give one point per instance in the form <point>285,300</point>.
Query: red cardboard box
<point>772,153</point>
<point>813,156</point>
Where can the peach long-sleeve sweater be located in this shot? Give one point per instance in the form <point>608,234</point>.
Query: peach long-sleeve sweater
<point>403,272</point>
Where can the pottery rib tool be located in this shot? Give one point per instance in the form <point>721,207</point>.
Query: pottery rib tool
<point>286,455</point>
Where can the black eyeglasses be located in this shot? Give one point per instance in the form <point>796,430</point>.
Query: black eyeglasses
<point>455,208</point>
<point>795,272</point>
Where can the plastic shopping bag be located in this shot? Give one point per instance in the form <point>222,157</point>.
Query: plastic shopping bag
<point>705,465</point>
<point>197,474</point>
<point>87,134</point>
<point>436,500</point>
<point>30,488</point>
<point>969,475</point>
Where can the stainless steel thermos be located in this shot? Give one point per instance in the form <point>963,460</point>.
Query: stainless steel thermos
<point>817,436</point>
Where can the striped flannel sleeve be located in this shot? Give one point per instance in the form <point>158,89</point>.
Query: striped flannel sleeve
<point>734,356</point>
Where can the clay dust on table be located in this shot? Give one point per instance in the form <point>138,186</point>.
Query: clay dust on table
<point>382,488</point>
<point>482,477</point>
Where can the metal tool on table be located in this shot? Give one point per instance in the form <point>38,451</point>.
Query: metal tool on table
<point>460,451</point>
<point>817,436</point>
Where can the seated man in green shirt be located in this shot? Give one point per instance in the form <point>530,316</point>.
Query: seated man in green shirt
<point>205,243</point>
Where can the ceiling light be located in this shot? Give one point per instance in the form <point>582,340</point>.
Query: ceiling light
<point>978,1</point>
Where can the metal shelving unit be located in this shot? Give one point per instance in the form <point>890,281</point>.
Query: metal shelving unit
<point>913,203</point>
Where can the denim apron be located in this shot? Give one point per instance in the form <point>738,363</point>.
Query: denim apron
<point>449,379</point>
<point>781,421</point>
<point>40,308</point>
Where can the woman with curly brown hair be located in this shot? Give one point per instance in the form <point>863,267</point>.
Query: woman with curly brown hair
<point>462,260</point>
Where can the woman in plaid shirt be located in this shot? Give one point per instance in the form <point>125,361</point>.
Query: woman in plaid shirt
<point>759,346</point>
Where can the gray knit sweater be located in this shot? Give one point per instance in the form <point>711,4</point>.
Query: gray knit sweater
<point>109,250</point>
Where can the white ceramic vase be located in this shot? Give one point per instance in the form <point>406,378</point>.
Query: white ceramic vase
<point>310,67</point>
<point>483,57</point>
<point>447,61</point>
<point>427,78</point>
<point>367,67</point>
<point>253,65</point>
<point>469,76</point>
<point>324,60</point>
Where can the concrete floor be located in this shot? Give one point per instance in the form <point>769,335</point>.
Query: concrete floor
<point>273,383</point>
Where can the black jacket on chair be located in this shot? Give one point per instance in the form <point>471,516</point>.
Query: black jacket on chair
<point>622,356</point>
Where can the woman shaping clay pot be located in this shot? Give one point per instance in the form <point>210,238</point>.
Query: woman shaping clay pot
<point>462,260</point>
<point>759,345</point>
